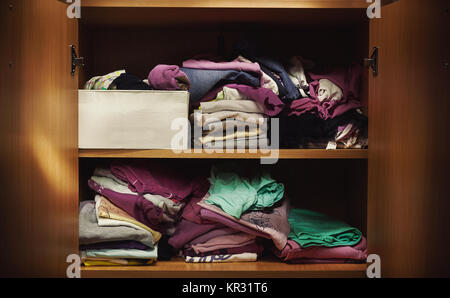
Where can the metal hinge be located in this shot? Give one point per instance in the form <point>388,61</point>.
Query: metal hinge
<point>372,62</point>
<point>76,61</point>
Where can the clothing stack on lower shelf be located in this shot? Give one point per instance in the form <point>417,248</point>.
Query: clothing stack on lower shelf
<point>109,236</point>
<point>316,239</point>
<point>146,211</point>
<point>136,209</point>
<point>232,219</point>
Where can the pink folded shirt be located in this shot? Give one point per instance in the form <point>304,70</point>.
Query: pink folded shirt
<point>226,241</point>
<point>272,224</point>
<point>293,251</point>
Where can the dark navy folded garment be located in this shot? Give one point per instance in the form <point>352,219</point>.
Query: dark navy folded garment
<point>203,80</point>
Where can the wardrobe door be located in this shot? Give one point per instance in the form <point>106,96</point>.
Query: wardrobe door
<point>408,194</point>
<point>39,136</point>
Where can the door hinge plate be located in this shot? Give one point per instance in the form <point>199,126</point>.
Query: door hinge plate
<point>372,62</point>
<point>75,60</point>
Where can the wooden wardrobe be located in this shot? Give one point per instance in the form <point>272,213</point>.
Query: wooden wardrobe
<point>396,192</point>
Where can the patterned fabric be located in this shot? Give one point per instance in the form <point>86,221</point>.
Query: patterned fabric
<point>103,82</point>
<point>243,257</point>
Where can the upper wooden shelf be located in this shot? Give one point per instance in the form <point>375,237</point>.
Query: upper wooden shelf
<point>261,269</point>
<point>228,3</point>
<point>282,154</point>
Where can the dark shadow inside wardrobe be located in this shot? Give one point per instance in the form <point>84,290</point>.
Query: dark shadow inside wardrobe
<point>139,39</point>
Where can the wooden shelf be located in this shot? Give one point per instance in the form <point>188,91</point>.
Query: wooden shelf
<point>228,3</point>
<point>282,154</point>
<point>260,269</point>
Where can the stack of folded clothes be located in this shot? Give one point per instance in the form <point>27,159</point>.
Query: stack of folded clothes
<point>232,100</point>
<point>229,223</point>
<point>329,115</point>
<point>145,199</point>
<point>316,238</point>
<point>230,121</point>
<point>109,236</point>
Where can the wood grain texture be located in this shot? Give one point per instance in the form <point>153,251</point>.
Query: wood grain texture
<point>282,154</point>
<point>408,198</point>
<point>261,269</point>
<point>180,18</point>
<point>38,107</point>
<point>228,3</point>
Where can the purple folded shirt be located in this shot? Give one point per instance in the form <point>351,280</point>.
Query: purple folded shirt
<point>270,101</point>
<point>191,212</point>
<point>135,205</point>
<point>293,251</point>
<point>127,244</point>
<point>218,218</point>
<point>212,234</point>
<point>348,79</point>
<point>168,77</point>
<point>156,178</point>
<point>186,231</point>
<point>270,223</point>
<point>325,110</point>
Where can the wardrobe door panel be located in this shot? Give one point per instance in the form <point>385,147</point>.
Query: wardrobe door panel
<point>38,114</point>
<point>408,206</point>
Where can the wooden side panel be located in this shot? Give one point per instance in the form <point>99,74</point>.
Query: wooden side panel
<point>38,124</point>
<point>408,196</point>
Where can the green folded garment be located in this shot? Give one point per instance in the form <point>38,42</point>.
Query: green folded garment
<point>309,228</point>
<point>235,194</point>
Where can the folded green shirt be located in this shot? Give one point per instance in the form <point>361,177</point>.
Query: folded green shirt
<point>235,194</point>
<point>309,228</point>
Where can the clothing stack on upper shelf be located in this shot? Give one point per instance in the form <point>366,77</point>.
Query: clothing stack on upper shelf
<point>331,112</point>
<point>231,106</point>
<point>144,211</point>
<point>233,100</point>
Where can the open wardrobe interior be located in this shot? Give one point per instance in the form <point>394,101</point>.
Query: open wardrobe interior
<point>311,138</point>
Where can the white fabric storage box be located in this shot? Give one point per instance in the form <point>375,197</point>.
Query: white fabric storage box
<point>123,119</point>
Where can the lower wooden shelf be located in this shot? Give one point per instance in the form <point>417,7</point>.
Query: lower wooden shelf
<point>177,268</point>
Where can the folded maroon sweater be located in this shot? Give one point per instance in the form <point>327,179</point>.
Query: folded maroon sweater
<point>135,205</point>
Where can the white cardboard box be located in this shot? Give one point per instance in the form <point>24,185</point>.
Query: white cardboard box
<point>122,119</point>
